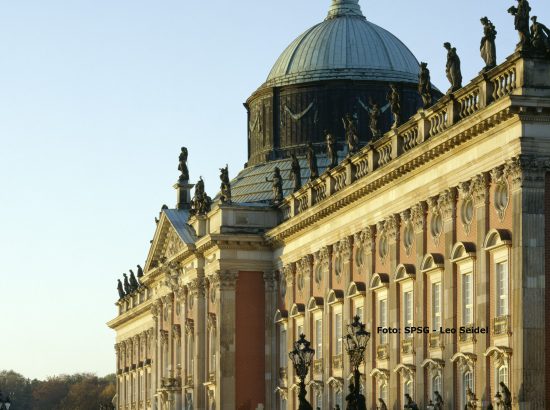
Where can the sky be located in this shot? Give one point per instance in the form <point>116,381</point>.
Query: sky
<point>96,99</point>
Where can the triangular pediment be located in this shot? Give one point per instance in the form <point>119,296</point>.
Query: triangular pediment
<point>172,236</point>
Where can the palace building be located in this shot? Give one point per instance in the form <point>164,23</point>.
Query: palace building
<point>440,222</point>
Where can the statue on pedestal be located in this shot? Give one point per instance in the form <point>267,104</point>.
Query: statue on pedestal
<point>374,123</point>
<point>488,48</point>
<point>182,167</point>
<point>352,137</point>
<point>521,22</point>
<point>425,85</point>
<point>540,36</point>
<point>295,173</point>
<point>332,151</point>
<point>139,271</point>
<point>225,188</point>
<point>121,293</point>
<point>127,287</point>
<point>277,187</point>
<point>133,281</point>
<point>395,104</point>
<point>454,74</point>
<point>312,162</point>
<point>200,204</point>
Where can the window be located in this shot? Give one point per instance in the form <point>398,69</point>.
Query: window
<point>148,386</point>
<point>502,375</point>
<point>467,382</point>
<point>300,329</point>
<point>318,338</point>
<point>282,349</point>
<point>408,388</point>
<point>212,350</point>
<point>383,319</point>
<point>319,400</point>
<point>383,392</point>
<point>190,355</point>
<point>359,312</point>
<point>282,402</point>
<point>178,353</point>
<point>436,305</point>
<point>437,385</point>
<point>502,288</point>
<point>338,399</point>
<point>467,307</point>
<point>338,333</point>
<point>408,311</point>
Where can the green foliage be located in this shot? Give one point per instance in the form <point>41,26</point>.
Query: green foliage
<point>81,391</point>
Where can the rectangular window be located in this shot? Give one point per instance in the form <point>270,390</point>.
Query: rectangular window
<point>436,305</point>
<point>318,338</point>
<point>338,333</point>
<point>282,349</point>
<point>467,307</point>
<point>383,319</point>
<point>359,312</point>
<point>300,329</point>
<point>408,311</point>
<point>502,288</point>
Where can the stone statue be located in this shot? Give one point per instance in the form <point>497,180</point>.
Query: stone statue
<point>352,137</point>
<point>139,272</point>
<point>382,405</point>
<point>133,281</point>
<point>312,162</point>
<point>425,85</point>
<point>540,36</point>
<point>121,293</point>
<point>438,405</point>
<point>332,151</point>
<point>351,398</point>
<point>521,22</point>
<point>471,400</point>
<point>395,104</point>
<point>277,187</point>
<point>409,402</point>
<point>506,396</point>
<point>454,75</point>
<point>182,167</point>
<point>295,173</point>
<point>200,204</point>
<point>374,122</point>
<point>225,188</point>
<point>488,48</point>
<point>127,287</point>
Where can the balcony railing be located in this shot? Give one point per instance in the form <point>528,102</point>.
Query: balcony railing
<point>502,325</point>
<point>382,352</point>
<point>435,341</point>
<point>407,346</point>
<point>337,361</point>
<point>426,124</point>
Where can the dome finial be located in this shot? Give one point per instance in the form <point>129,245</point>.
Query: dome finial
<point>341,8</point>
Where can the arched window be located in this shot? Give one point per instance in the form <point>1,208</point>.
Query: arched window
<point>408,388</point>
<point>467,382</point>
<point>283,403</point>
<point>338,399</point>
<point>319,400</point>
<point>502,375</point>
<point>436,385</point>
<point>383,392</point>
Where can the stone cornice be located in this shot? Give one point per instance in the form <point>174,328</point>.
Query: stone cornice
<point>139,310</point>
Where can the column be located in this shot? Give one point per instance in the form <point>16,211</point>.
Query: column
<point>271,364</point>
<point>197,291</point>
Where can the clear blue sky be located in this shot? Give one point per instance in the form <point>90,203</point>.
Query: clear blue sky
<point>96,98</point>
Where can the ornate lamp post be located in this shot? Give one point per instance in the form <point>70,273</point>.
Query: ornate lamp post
<point>356,345</point>
<point>301,357</point>
<point>5,403</point>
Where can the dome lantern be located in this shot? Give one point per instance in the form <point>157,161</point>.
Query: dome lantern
<point>341,8</point>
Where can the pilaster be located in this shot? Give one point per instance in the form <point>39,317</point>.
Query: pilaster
<point>197,291</point>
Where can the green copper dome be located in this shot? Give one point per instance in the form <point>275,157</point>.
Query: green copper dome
<point>344,46</point>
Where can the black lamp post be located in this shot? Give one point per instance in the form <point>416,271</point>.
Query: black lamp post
<point>5,403</point>
<point>301,357</point>
<point>356,346</point>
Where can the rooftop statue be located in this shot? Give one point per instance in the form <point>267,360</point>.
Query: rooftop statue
<point>225,188</point>
<point>382,405</point>
<point>506,396</point>
<point>352,137</point>
<point>488,47</point>
<point>182,167</point>
<point>312,162</point>
<point>200,204</point>
<point>295,172</point>
<point>521,22</point>
<point>374,122</point>
<point>454,75</point>
<point>277,186</point>
<point>127,287</point>
<point>332,151</point>
<point>540,36</point>
<point>424,85</point>
<point>139,272</point>
<point>133,281</point>
<point>438,405</point>
<point>121,293</point>
<point>395,104</point>
<point>409,403</point>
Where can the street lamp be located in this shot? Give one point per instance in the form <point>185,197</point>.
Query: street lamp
<point>301,357</point>
<point>356,345</point>
<point>5,403</point>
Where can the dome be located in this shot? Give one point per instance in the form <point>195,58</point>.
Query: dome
<point>344,46</point>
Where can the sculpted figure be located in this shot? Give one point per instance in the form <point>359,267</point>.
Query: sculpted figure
<point>425,85</point>
<point>200,204</point>
<point>374,123</point>
<point>312,162</point>
<point>395,105</point>
<point>382,405</point>
<point>506,396</point>
<point>133,281</point>
<point>454,75</point>
<point>225,188</point>
<point>121,293</point>
<point>488,47</point>
<point>332,153</point>
<point>352,137</point>
<point>139,272</point>
<point>277,187</point>
<point>540,36</point>
<point>521,22</point>
<point>127,287</point>
<point>295,172</point>
<point>438,405</point>
<point>409,403</point>
<point>182,167</point>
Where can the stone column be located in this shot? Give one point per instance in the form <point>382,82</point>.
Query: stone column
<point>527,381</point>
<point>156,310</point>
<point>343,253</point>
<point>197,292</point>
<point>271,367</point>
